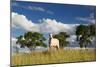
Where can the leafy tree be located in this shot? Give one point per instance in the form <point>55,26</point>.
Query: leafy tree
<point>80,30</point>
<point>92,28</point>
<point>84,34</point>
<point>20,41</point>
<point>31,39</point>
<point>62,39</point>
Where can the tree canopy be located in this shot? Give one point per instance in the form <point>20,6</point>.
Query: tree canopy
<point>62,39</point>
<point>84,34</point>
<point>31,39</point>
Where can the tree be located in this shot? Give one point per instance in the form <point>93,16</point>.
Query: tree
<point>21,41</point>
<point>84,34</point>
<point>31,39</point>
<point>62,39</point>
<point>80,30</point>
<point>92,28</point>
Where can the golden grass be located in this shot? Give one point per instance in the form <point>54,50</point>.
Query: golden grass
<point>60,56</point>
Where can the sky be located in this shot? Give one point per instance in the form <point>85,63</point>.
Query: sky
<point>49,18</point>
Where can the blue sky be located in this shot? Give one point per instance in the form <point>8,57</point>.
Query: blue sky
<point>60,14</point>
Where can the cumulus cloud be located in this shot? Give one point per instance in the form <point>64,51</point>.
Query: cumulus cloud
<point>45,25</point>
<point>20,21</point>
<point>89,19</point>
<point>53,26</point>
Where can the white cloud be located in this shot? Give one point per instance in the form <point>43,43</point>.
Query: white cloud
<point>45,25</point>
<point>20,21</point>
<point>53,26</point>
<point>89,19</point>
<point>13,41</point>
<point>33,8</point>
<point>13,44</point>
<point>49,12</point>
<point>72,38</point>
<point>72,41</point>
<point>36,8</point>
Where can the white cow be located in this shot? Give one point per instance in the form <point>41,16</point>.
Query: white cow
<point>54,42</point>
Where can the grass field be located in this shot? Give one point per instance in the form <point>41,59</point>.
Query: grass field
<point>60,56</point>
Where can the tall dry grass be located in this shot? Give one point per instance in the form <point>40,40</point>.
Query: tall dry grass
<point>48,57</point>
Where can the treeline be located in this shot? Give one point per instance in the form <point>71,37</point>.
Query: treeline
<point>84,34</point>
